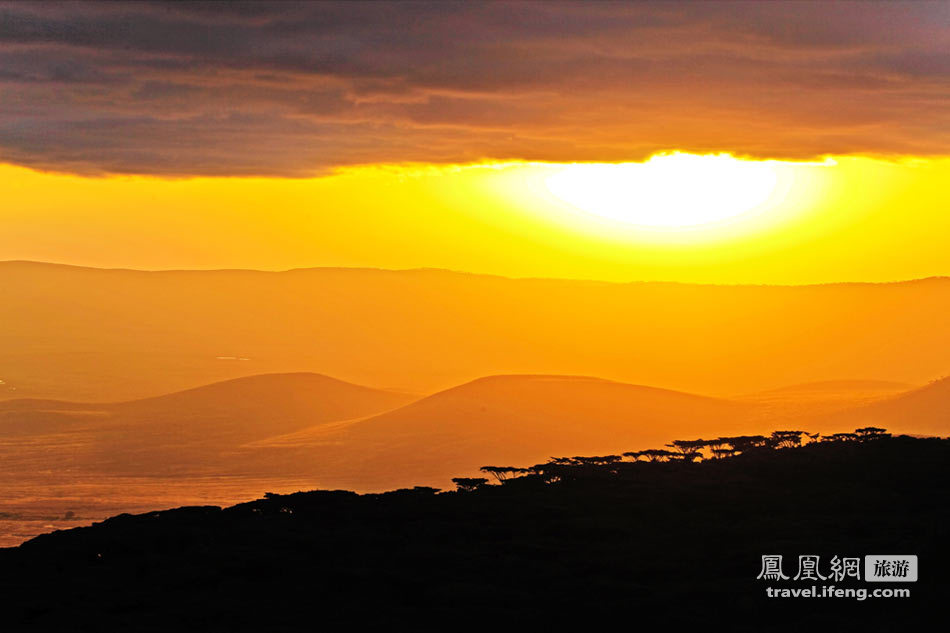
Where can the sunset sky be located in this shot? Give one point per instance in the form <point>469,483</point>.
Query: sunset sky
<point>713,142</point>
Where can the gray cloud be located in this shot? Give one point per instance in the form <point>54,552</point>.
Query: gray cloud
<point>293,89</point>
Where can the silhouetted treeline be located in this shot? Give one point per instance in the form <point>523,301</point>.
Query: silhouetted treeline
<point>688,451</point>
<point>575,543</point>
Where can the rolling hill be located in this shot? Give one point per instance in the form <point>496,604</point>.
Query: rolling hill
<point>285,401</point>
<point>505,419</point>
<point>192,429</point>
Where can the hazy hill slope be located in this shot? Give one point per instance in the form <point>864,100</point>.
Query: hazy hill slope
<point>925,410</point>
<point>580,409</point>
<point>842,388</point>
<point>286,398</point>
<point>193,428</point>
<point>802,404</point>
<point>506,420</point>
<point>95,335</point>
<point>289,393</point>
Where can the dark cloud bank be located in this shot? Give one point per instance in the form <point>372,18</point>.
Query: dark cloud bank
<point>294,89</point>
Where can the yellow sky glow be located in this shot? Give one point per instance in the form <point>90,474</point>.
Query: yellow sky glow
<point>678,217</point>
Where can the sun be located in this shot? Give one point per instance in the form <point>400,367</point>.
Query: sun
<point>667,191</point>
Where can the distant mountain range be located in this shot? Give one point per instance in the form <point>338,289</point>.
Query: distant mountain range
<point>91,335</point>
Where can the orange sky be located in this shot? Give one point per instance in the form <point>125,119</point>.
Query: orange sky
<point>403,135</point>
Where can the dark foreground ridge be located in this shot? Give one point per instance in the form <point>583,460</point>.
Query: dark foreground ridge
<point>669,544</point>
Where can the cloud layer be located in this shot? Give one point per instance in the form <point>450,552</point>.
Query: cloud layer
<point>295,89</point>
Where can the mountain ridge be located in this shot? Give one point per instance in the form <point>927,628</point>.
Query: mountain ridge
<point>427,269</point>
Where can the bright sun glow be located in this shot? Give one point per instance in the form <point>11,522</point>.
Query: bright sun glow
<point>668,190</point>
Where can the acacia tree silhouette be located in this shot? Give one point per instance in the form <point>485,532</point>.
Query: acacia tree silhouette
<point>718,447</point>
<point>745,443</point>
<point>469,484</point>
<point>688,450</point>
<point>657,454</point>
<point>598,460</point>
<point>787,439</point>
<point>840,437</point>
<point>871,433</point>
<point>502,473</point>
